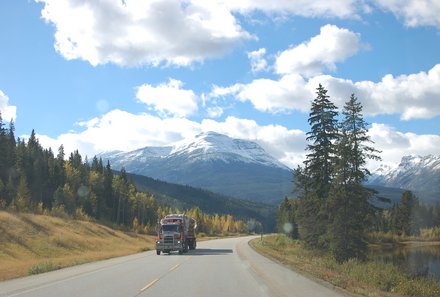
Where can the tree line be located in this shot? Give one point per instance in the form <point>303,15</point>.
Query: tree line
<point>34,179</point>
<point>333,210</point>
<point>407,217</point>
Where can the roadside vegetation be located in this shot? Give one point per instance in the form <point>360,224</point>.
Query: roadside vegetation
<point>334,220</point>
<point>38,243</point>
<point>358,278</point>
<point>31,244</point>
<point>333,211</point>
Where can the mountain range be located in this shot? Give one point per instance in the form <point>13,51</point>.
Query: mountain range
<point>243,169</point>
<point>420,174</point>
<point>212,161</point>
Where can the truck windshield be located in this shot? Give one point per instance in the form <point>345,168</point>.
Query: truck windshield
<point>170,228</point>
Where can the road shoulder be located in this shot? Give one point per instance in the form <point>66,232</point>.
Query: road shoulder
<point>282,280</point>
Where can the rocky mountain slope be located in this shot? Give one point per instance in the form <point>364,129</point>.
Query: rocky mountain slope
<point>420,174</point>
<point>233,167</point>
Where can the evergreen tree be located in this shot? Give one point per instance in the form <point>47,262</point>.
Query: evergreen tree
<point>10,150</point>
<point>348,203</point>
<point>3,200</point>
<point>324,131</point>
<point>436,214</point>
<point>314,181</point>
<point>108,192</point>
<point>405,220</point>
<point>59,171</point>
<point>286,222</point>
<point>3,150</point>
<point>354,129</point>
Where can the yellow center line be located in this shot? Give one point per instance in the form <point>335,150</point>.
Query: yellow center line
<point>149,284</point>
<point>157,279</point>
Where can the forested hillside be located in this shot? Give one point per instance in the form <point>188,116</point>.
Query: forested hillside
<point>186,197</point>
<point>34,179</point>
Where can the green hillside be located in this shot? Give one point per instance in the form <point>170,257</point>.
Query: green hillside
<point>185,197</point>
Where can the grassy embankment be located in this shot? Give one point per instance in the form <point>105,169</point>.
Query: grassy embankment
<point>370,279</point>
<point>31,244</point>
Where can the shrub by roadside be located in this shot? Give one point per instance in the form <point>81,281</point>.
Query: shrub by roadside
<point>368,278</point>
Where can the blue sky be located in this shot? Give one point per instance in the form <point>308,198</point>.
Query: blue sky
<point>119,75</point>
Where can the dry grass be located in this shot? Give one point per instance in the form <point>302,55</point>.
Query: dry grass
<point>34,243</point>
<point>368,279</point>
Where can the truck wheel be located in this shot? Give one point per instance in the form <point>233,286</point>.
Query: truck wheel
<point>158,252</point>
<point>180,252</point>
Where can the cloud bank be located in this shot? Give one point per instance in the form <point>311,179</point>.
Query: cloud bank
<point>121,130</point>
<point>133,33</point>
<point>8,112</point>
<point>177,32</point>
<point>414,13</point>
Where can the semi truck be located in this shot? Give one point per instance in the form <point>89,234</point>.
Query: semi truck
<point>176,232</point>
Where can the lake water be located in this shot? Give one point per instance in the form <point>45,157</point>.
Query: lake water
<point>417,261</point>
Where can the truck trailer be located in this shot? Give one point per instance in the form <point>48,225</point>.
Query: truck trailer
<point>176,232</point>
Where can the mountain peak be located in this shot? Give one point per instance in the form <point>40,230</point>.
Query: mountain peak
<point>235,167</point>
<point>420,174</point>
<point>213,145</point>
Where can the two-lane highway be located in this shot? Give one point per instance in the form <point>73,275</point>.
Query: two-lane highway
<point>217,268</point>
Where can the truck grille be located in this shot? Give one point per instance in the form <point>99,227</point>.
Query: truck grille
<point>168,239</point>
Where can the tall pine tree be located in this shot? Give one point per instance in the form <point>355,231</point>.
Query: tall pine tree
<point>314,181</point>
<point>348,205</point>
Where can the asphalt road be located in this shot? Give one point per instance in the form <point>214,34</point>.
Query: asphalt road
<point>217,268</point>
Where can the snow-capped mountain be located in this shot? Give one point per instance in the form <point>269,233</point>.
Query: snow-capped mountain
<point>415,173</point>
<point>234,167</point>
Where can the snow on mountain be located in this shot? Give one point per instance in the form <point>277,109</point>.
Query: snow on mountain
<point>420,174</point>
<point>235,167</point>
<point>213,145</point>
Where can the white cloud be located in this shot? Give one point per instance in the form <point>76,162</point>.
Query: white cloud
<point>413,96</point>
<point>285,145</point>
<point>258,62</point>
<point>133,32</point>
<point>306,8</point>
<point>215,111</point>
<point>168,99</point>
<point>181,32</point>
<point>288,93</point>
<point>415,13</point>
<point>7,111</point>
<point>120,130</point>
<point>321,52</point>
<point>395,144</point>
